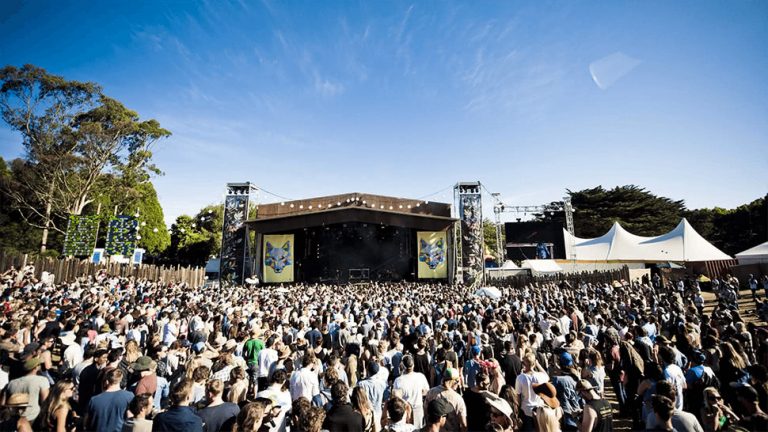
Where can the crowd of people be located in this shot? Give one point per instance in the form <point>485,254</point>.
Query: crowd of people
<point>109,354</point>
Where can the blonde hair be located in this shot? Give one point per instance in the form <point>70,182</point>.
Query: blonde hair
<point>548,419</point>
<point>55,401</point>
<point>132,352</point>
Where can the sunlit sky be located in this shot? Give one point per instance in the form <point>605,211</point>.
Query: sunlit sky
<point>406,98</point>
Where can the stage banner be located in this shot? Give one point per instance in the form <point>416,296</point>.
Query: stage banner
<point>432,247</point>
<point>278,258</point>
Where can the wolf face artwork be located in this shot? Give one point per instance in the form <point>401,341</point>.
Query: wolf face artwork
<point>277,258</point>
<point>432,253</point>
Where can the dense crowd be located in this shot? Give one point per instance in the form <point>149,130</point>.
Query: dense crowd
<point>111,354</point>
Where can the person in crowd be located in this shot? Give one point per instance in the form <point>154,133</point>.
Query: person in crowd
<point>598,414</point>
<point>414,386</point>
<point>33,385</point>
<point>106,411</point>
<point>478,413</point>
<point>56,413</point>
<point>139,408</point>
<point>342,416</point>
<point>180,416</point>
<point>12,413</point>
<point>457,417</point>
<point>217,415</point>
<point>361,404</point>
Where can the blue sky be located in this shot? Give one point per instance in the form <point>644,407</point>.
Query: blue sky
<point>406,98</point>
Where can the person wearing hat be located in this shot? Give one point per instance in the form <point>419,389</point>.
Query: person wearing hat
<point>549,414</point>
<point>146,368</point>
<point>698,377</point>
<point>32,384</point>
<point>598,414</point>
<point>414,386</point>
<point>457,419</point>
<point>565,379</point>
<point>437,413</point>
<point>375,385</point>
<point>16,403</point>
<point>500,413</point>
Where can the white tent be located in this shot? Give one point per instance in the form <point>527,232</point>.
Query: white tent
<point>541,266</point>
<point>509,265</point>
<point>757,254</point>
<point>682,244</point>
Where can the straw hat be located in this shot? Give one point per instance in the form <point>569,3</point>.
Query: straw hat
<point>18,400</point>
<point>547,393</point>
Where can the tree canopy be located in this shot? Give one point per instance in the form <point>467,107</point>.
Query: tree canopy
<point>77,141</point>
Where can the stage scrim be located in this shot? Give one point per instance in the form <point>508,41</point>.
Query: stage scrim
<point>432,246</point>
<point>278,258</point>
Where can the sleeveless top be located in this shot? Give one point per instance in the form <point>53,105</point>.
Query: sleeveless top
<point>604,422</point>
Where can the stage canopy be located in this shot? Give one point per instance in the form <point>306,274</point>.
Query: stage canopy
<point>682,244</point>
<point>757,254</point>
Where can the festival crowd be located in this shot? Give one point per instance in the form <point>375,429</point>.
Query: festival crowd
<point>111,354</point>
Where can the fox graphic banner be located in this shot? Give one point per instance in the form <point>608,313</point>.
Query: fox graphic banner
<point>432,262</point>
<point>278,258</point>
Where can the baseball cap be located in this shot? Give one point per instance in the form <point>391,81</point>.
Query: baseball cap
<point>566,359</point>
<point>438,408</point>
<point>450,374</point>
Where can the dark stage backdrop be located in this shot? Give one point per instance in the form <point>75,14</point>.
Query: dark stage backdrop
<point>372,251</point>
<point>533,232</point>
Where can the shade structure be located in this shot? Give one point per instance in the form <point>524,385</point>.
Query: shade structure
<point>509,265</point>
<point>682,244</point>
<point>541,266</point>
<point>754,255</point>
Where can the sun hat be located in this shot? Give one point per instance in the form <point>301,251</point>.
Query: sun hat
<point>17,400</point>
<point>31,363</point>
<point>142,363</point>
<point>230,345</point>
<point>547,392</point>
<point>499,405</point>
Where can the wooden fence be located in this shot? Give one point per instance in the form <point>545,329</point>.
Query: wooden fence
<point>593,277</point>
<point>68,269</point>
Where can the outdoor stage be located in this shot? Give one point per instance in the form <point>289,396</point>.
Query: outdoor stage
<point>353,237</point>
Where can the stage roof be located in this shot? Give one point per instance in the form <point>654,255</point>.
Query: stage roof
<point>348,208</point>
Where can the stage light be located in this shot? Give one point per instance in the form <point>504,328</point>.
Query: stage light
<point>319,206</point>
<point>409,206</point>
<point>194,225</point>
<point>382,206</point>
<point>418,204</point>
<point>154,229</point>
<point>363,202</point>
<point>338,203</point>
<point>301,207</point>
<point>390,207</point>
<point>310,207</point>
<point>400,206</point>
<point>426,202</point>
<point>291,205</point>
<point>282,203</point>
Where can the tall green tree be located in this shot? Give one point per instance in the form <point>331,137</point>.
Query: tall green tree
<point>41,108</point>
<point>195,239</point>
<point>73,135</point>
<point>639,211</point>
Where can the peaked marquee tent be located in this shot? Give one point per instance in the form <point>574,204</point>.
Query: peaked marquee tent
<point>757,254</point>
<point>682,244</point>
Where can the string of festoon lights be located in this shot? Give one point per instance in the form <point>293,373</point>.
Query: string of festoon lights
<point>356,200</point>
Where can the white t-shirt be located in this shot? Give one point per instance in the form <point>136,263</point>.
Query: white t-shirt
<point>414,386</point>
<point>524,387</point>
<point>676,377</point>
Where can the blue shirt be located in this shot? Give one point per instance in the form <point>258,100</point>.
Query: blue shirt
<point>106,412</point>
<point>178,419</point>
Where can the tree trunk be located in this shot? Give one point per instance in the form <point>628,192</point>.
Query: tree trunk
<point>44,241</point>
